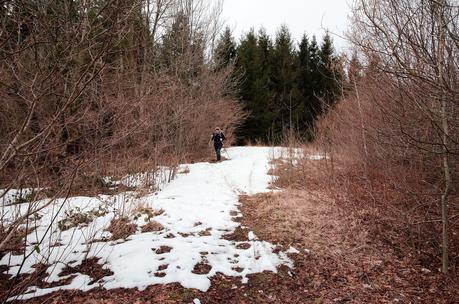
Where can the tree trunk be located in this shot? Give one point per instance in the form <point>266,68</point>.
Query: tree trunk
<point>445,140</point>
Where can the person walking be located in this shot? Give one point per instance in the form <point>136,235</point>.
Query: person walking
<point>218,137</point>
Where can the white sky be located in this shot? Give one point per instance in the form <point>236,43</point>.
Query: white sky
<point>302,16</point>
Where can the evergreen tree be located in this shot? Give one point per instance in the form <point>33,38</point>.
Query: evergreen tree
<point>305,84</point>
<point>183,49</point>
<point>225,51</point>
<point>286,94</point>
<point>282,88</point>
<point>330,70</point>
<point>263,86</point>
<point>177,41</point>
<point>247,68</point>
<point>314,89</point>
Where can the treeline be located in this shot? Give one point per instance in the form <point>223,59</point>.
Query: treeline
<point>283,85</point>
<point>91,88</point>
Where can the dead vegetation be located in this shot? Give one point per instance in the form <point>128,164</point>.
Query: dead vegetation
<point>15,243</point>
<point>202,268</point>
<point>340,260</point>
<point>162,249</point>
<point>121,229</point>
<point>15,285</point>
<point>146,212</point>
<point>78,218</point>
<point>347,252</point>
<point>152,226</point>
<point>393,140</point>
<point>89,267</point>
<point>341,257</point>
<point>114,90</point>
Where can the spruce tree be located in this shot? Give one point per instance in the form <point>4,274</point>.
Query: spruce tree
<point>176,41</point>
<point>282,88</point>
<point>315,89</point>
<point>225,51</point>
<point>247,68</point>
<point>182,49</point>
<point>305,85</point>
<point>286,95</point>
<point>329,68</point>
<point>263,86</point>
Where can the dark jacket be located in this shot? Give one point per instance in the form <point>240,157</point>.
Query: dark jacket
<point>218,139</point>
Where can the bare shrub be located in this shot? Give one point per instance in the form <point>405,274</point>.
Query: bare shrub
<point>92,89</point>
<point>393,140</point>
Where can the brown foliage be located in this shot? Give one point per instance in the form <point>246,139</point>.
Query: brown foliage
<point>121,228</point>
<point>393,139</point>
<point>152,226</point>
<point>89,267</point>
<point>340,258</point>
<point>90,89</point>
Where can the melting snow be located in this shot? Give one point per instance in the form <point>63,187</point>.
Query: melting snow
<point>13,195</point>
<point>292,250</point>
<point>197,209</point>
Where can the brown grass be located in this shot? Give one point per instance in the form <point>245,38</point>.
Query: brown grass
<point>393,202</point>
<point>121,228</point>
<point>340,259</point>
<point>16,242</point>
<point>152,226</point>
<point>309,218</point>
<point>89,267</point>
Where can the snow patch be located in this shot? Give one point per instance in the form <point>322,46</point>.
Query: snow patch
<point>317,157</point>
<point>293,250</point>
<point>252,236</point>
<point>190,248</point>
<point>13,196</point>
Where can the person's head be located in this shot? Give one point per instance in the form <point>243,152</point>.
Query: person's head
<point>217,130</point>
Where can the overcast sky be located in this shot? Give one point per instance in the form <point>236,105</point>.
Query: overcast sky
<point>301,16</point>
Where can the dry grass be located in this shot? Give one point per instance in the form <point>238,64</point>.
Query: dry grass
<point>377,227</point>
<point>89,267</point>
<point>340,259</point>
<point>152,226</point>
<point>309,218</point>
<point>393,202</point>
<point>143,209</point>
<point>121,228</point>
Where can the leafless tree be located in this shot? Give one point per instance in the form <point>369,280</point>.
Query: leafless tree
<point>86,93</point>
<point>407,107</point>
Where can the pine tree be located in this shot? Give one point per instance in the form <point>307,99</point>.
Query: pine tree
<point>247,68</point>
<point>330,70</point>
<point>305,85</point>
<point>286,94</point>
<point>182,49</point>
<point>225,51</point>
<point>282,88</point>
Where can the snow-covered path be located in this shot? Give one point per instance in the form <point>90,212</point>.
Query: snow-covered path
<point>198,209</point>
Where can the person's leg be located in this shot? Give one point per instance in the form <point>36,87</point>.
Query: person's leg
<point>218,152</point>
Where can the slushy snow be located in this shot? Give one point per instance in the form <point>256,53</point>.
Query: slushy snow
<point>203,200</point>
